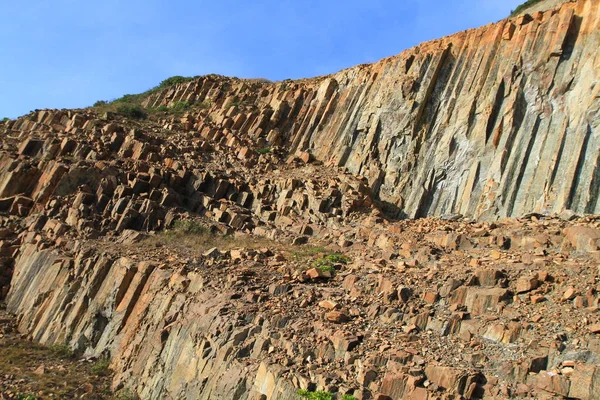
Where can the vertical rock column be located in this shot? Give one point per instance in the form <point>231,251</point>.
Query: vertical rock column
<point>7,249</point>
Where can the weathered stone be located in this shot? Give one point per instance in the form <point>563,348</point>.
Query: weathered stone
<point>583,238</point>
<point>315,273</point>
<point>550,382</point>
<point>527,284</point>
<point>337,317</point>
<point>585,382</point>
<point>451,379</point>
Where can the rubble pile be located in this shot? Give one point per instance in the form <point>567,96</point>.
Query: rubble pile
<point>254,245</point>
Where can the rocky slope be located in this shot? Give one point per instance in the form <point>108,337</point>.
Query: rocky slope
<point>248,248</point>
<point>31,371</point>
<point>495,121</point>
<point>540,5</point>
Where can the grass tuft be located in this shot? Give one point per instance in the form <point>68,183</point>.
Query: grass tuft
<point>189,228</point>
<point>327,262</point>
<point>129,105</point>
<point>264,150</point>
<point>305,394</point>
<point>131,111</point>
<point>62,351</point>
<point>194,237</point>
<point>26,396</point>
<point>101,367</point>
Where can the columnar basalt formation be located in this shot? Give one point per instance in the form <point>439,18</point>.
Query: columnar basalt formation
<point>495,121</point>
<point>197,251</point>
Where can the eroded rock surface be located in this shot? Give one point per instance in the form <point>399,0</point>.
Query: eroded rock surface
<point>495,121</point>
<point>249,247</point>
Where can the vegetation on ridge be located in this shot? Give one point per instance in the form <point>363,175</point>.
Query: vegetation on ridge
<point>195,237</point>
<point>130,105</point>
<point>320,395</point>
<point>524,6</point>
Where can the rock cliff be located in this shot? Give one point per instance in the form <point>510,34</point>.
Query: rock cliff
<point>249,246</point>
<point>496,121</point>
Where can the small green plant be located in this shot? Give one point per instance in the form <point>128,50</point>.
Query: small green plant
<point>62,351</point>
<point>348,397</point>
<point>327,268</point>
<point>100,103</point>
<point>189,228</point>
<point>101,367</point>
<point>311,251</point>
<point>234,104</point>
<point>264,150</point>
<point>162,109</point>
<point>26,396</point>
<point>131,111</point>
<point>305,394</point>
<point>5,119</point>
<point>327,262</point>
<point>130,99</point>
<point>180,106</point>
<point>205,104</point>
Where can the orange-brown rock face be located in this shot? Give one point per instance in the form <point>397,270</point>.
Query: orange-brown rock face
<point>236,251</point>
<point>496,121</point>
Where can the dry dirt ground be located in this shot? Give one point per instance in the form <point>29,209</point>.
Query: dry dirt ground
<point>29,371</point>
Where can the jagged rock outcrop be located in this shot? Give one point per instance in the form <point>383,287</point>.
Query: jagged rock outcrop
<point>495,121</point>
<point>411,317</point>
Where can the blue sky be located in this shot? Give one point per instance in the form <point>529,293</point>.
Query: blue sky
<point>70,53</point>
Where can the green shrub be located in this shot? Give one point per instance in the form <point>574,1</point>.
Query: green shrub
<point>524,6</point>
<point>190,227</point>
<point>62,351</point>
<point>327,262</point>
<point>5,119</point>
<point>26,396</point>
<point>162,109</point>
<point>180,106</point>
<point>101,367</point>
<point>132,111</point>
<point>305,394</point>
<point>264,150</point>
<point>327,268</point>
<point>132,100</point>
<point>174,80</point>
